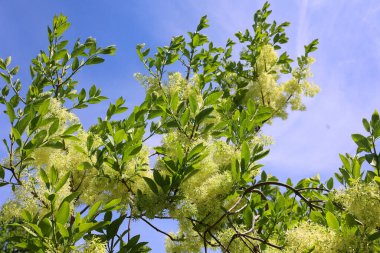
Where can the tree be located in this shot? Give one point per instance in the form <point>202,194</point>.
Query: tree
<point>76,189</point>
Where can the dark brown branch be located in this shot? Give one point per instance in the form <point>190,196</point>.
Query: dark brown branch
<point>158,230</point>
<point>296,191</point>
<point>129,225</point>
<point>204,238</point>
<point>233,237</point>
<point>262,241</point>
<point>164,217</point>
<point>126,185</point>
<point>216,239</point>
<point>312,188</point>
<point>263,197</point>
<point>85,209</point>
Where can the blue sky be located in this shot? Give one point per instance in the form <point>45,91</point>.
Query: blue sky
<point>347,67</point>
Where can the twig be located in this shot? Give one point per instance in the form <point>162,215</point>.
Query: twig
<point>296,191</point>
<point>85,209</point>
<point>158,230</point>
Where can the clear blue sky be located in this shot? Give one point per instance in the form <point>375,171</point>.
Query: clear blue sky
<point>347,67</point>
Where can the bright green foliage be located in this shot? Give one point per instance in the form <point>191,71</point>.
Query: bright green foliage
<point>349,221</point>
<point>77,190</point>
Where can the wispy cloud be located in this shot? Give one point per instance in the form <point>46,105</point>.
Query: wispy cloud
<point>309,142</point>
<point>303,25</point>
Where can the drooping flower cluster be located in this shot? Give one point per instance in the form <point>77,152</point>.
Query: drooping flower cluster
<point>363,201</point>
<point>311,237</point>
<point>233,239</point>
<point>268,90</point>
<point>361,204</point>
<point>95,245</point>
<point>32,193</point>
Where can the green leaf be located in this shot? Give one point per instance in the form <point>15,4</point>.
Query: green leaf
<point>39,138</point>
<point>366,125</point>
<point>84,166</point>
<point>174,101</point>
<point>53,174</point>
<point>311,47</point>
<point>154,114</point>
<point>332,221</point>
<point>159,179</point>
<point>362,142</point>
<point>374,236</point>
<point>196,150</point>
<point>59,55</point>
<point>114,227</point>
<point>72,129</point>
<point>112,204</point>
<point>44,107</point>
<point>15,70</point>
<point>259,155</point>
<point>134,246</point>
<point>203,114</point>
<point>36,228</point>
<point>86,227</point>
<point>132,150</point>
<point>62,44</point>
<point>330,183</point>
<point>63,213</point>
<point>70,137</point>
<point>235,170</point>
<point>71,197</point>
<point>170,165</point>
<point>152,185</point>
<point>62,181</point>
<point>108,50</point>
<point>44,176</point>
<point>75,64</point>
<point>92,91</point>
<point>2,64</point>
<point>263,114</point>
<point>63,230</point>
<point>193,103</point>
<point>345,161</point>
<point>185,117</point>
<point>16,135</point>
<point>203,23</point>
<point>93,210</point>
<point>245,154</point>
<point>195,40</point>
<point>29,231</point>
<point>139,47</point>
<point>95,60</point>
<point>213,97</point>
<point>119,136</point>
<point>375,118</point>
<point>172,58</point>
<point>54,127</point>
<point>60,25</point>
<point>8,61</point>
<point>10,112</point>
<point>45,225</point>
<point>351,221</point>
<point>248,217</point>
<point>6,77</point>
<point>356,168</point>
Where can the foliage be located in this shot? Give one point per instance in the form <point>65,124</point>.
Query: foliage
<point>76,189</point>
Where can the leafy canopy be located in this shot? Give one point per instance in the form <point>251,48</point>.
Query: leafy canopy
<point>77,190</point>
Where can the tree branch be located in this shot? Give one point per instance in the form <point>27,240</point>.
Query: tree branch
<point>296,191</point>
<point>158,230</point>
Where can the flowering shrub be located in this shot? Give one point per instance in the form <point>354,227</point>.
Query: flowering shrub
<point>76,189</point>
